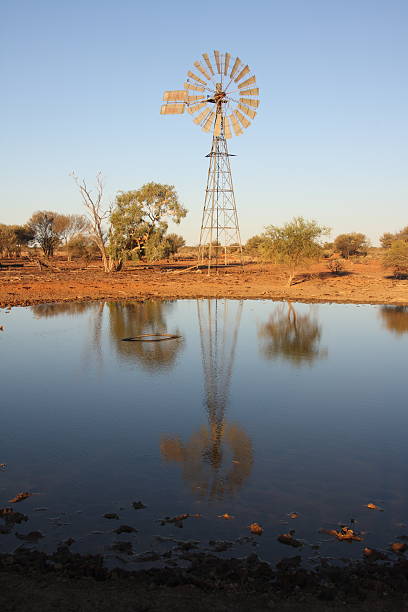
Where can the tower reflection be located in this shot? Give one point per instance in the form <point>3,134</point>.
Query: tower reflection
<point>218,458</point>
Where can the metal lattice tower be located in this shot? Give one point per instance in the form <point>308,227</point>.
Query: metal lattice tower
<point>219,227</point>
<point>216,89</point>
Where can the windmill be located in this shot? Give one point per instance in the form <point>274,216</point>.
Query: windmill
<point>219,94</point>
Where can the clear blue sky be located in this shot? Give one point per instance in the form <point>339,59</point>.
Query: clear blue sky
<point>82,83</point>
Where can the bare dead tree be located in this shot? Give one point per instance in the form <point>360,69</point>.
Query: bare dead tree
<point>98,215</point>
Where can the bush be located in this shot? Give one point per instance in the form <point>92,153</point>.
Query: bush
<point>351,244</point>
<point>397,258</point>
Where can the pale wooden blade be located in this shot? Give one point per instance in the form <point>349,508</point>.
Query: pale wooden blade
<point>235,67</point>
<point>248,111</point>
<point>201,116</point>
<point>227,129</point>
<point>172,109</point>
<point>235,125</point>
<point>209,122</point>
<point>217,127</point>
<point>250,92</point>
<point>190,99</point>
<point>243,72</point>
<point>250,102</point>
<point>207,61</point>
<point>227,63</point>
<point>192,75</point>
<point>175,96</point>
<point>202,70</point>
<point>242,119</point>
<point>194,87</point>
<point>217,61</point>
<point>250,81</point>
<point>196,107</point>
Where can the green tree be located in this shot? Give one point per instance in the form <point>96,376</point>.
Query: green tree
<point>252,245</point>
<point>140,218</point>
<point>47,228</point>
<point>396,258</point>
<point>387,238</point>
<point>351,244</point>
<point>293,244</point>
<point>76,226</point>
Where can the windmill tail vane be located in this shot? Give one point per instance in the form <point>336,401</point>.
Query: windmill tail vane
<point>221,96</point>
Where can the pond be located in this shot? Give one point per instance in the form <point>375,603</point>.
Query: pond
<point>254,410</point>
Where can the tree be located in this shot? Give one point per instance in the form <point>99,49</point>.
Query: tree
<point>12,238</point>
<point>139,220</point>
<point>47,228</point>
<point>98,216</point>
<point>397,258</point>
<point>252,245</point>
<point>387,238</point>
<point>293,244</point>
<point>76,225</point>
<point>351,244</point>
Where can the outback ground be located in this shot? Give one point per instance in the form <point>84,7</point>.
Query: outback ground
<point>23,283</point>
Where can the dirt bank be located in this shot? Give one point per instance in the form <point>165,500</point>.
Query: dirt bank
<point>31,581</point>
<point>23,284</point>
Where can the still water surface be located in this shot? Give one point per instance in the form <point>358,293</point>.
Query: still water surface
<point>258,409</point>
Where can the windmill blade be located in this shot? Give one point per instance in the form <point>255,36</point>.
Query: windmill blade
<point>217,61</point>
<point>195,77</point>
<point>242,119</point>
<point>243,72</point>
<point>235,125</point>
<point>196,107</point>
<point>227,129</point>
<point>207,61</point>
<point>208,123</point>
<point>172,109</point>
<point>217,127</point>
<point>194,87</point>
<point>201,116</point>
<point>248,111</point>
<point>250,102</point>
<point>235,67</point>
<point>194,99</point>
<point>227,63</point>
<point>250,81</point>
<point>202,70</point>
<point>250,92</point>
<point>175,96</point>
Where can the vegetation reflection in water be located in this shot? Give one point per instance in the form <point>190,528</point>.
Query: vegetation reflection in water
<point>395,319</point>
<point>291,336</point>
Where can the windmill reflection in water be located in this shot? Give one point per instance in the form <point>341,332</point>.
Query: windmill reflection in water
<point>217,459</point>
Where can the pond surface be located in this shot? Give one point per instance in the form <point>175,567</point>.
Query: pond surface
<point>257,410</point>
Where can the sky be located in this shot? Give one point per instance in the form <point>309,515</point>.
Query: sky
<point>82,84</point>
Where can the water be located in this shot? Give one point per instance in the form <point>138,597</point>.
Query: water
<point>258,409</point>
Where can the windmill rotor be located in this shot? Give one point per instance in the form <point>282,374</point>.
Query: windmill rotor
<point>220,93</point>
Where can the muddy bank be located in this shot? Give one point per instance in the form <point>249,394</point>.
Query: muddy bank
<point>34,581</point>
<point>363,283</point>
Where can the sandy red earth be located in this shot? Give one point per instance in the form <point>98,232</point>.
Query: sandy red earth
<point>22,283</point>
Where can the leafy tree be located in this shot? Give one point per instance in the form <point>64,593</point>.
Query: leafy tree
<point>47,228</point>
<point>252,245</point>
<point>293,244</point>
<point>351,244</point>
<point>12,238</point>
<point>387,238</point>
<point>397,258</point>
<point>76,225</point>
<point>175,243</point>
<point>139,220</point>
